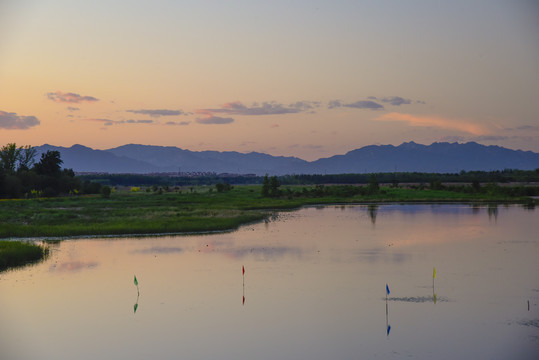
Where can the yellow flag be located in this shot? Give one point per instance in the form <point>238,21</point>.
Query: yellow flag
<point>434,272</point>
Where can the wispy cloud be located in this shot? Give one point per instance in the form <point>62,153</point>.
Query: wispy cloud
<point>362,104</point>
<point>365,104</point>
<point>13,121</point>
<point>109,122</point>
<point>334,104</point>
<point>69,97</point>
<point>371,104</point>
<point>214,120</point>
<point>106,122</point>
<point>131,121</point>
<point>488,138</point>
<point>305,105</point>
<point>436,121</point>
<point>265,108</point>
<point>157,112</point>
<point>177,123</point>
<point>524,128</point>
<point>396,100</point>
<point>71,108</point>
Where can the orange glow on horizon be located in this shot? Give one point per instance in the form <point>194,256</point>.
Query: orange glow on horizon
<point>436,121</point>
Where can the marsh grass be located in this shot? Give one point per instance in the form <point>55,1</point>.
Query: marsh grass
<point>150,213</point>
<point>16,253</point>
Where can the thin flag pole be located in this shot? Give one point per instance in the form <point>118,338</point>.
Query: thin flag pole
<point>388,327</point>
<point>243,276</point>
<point>433,292</point>
<point>135,281</point>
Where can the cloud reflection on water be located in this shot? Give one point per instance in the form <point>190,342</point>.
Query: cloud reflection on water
<point>381,254</point>
<point>159,250</point>
<point>264,253</point>
<point>72,266</point>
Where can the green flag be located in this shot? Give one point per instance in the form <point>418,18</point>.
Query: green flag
<point>135,281</point>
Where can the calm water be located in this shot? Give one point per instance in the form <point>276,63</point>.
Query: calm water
<point>314,288</point>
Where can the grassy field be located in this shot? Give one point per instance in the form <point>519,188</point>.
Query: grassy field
<point>171,212</point>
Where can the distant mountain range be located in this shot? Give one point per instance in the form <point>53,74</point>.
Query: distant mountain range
<point>408,157</point>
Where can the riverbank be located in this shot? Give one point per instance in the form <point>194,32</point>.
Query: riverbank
<point>197,210</point>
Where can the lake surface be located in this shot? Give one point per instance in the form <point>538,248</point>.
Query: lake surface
<point>314,288</point>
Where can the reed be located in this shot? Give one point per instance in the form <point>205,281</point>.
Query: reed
<point>16,253</point>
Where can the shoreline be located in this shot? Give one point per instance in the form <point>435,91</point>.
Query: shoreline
<point>267,212</point>
<point>27,245</point>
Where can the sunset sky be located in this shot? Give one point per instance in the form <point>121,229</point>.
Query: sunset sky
<point>298,78</point>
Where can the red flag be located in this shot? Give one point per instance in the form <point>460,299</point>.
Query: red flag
<point>243,269</point>
<point>244,300</point>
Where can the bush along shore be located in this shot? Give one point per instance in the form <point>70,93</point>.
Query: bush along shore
<point>17,253</point>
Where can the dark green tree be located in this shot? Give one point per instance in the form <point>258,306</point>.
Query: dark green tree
<point>476,186</point>
<point>274,187</point>
<point>223,187</point>
<point>266,186</point>
<point>9,155</point>
<point>374,187</point>
<point>49,164</point>
<point>105,191</point>
<point>26,157</point>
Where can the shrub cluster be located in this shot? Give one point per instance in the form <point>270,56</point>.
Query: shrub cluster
<point>21,177</point>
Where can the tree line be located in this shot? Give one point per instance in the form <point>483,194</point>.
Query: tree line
<point>22,177</point>
<point>395,178</point>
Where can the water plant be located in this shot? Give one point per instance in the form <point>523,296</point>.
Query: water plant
<point>16,253</point>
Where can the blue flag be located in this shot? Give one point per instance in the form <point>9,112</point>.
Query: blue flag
<point>387,289</point>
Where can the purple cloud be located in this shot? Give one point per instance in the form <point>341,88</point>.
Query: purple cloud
<point>525,127</point>
<point>396,100</point>
<point>131,121</point>
<point>365,104</point>
<point>69,97</point>
<point>266,108</point>
<point>13,121</point>
<point>334,104</point>
<point>210,119</point>
<point>109,122</point>
<point>157,112</point>
<point>179,123</point>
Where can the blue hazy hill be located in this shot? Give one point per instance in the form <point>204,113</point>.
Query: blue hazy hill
<point>440,157</point>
